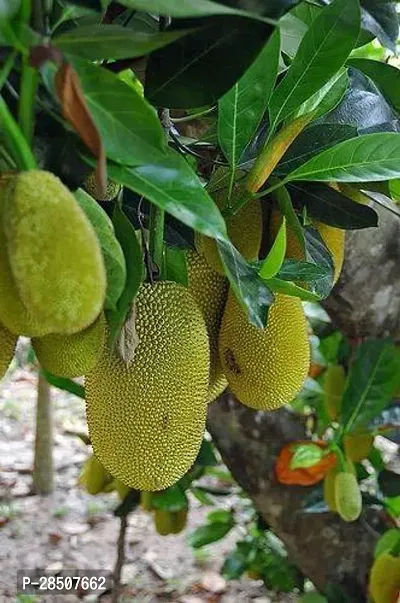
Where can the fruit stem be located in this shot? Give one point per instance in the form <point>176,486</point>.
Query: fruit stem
<point>7,67</point>
<point>19,147</point>
<point>26,108</point>
<point>120,559</point>
<point>156,241</point>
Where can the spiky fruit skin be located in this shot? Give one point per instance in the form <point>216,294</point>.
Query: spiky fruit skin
<point>8,341</point>
<point>334,382</point>
<point>146,420</point>
<point>94,477</point>
<point>348,499</point>
<point>210,291</point>
<point>90,187</point>
<point>329,489</point>
<point>265,368</point>
<point>54,254</point>
<point>357,447</point>
<point>244,230</point>
<point>384,579</point>
<point>72,355</point>
<point>333,238</point>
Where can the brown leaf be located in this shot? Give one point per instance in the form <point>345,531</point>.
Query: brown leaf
<point>128,339</point>
<point>75,111</point>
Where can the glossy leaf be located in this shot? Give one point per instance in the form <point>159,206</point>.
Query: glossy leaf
<point>327,205</point>
<point>206,456</point>
<point>326,98</point>
<point>278,285</point>
<point>368,157</point>
<point>322,52</point>
<point>250,290</point>
<point>234,566</point>
<point>241,109</point>
<point>8,9</point>
<point>386,77</point>
<point>372,382</point>
<point>293,31</point>
<point>317,253</point>
<point>284,202</point>
<point>293,270</point>
<point>380,18</point>
<point>174,187</point>
<point>175,268</point>
<point>171,499</point>
<point>199,68</point>
<point>306,455</point>
<point>97,42</point>
<point>209,533</point>
<point>67,385</point>
<point>187,8</point>
<point>274,260</point>
<point>129,127</point>
<point>91,4</point>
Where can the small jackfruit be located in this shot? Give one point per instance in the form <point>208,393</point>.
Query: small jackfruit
<point>357,446</point>
<point>179,521</point>
<point>146,499</point>
<point>163,522</point>
<point>147,419</point>
<point>8,341</point>
<point>244,230</point>
<point>53,252</point>
<point>94,477</point>
<point>329,489</point>
<point>384,579</point>
<point>111,192</point>
<point>210,291</point>
<point>121,489</point>
<point>334,383</point>
<point>334,239</point>
<point>348,499</point>
<point>72,355</point>
<point>265,368</point>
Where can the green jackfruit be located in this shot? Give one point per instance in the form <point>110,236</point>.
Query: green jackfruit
<point>111,192</point>
<point>72,355</point>
<point>146,499</point>
<point>147,420</point>
<point>179,519</point>
<point>244,230</point>
<point>121,489</point>
<point>210,291</point>
<point>94,477</point>
<point>53,252</point>
<point>163,522</point>
<point>8,341</point>
<point>357,446</point>
<point>265,368</point>
<point>334,382</point>
<point>348,499</point>
<point>384,579</point>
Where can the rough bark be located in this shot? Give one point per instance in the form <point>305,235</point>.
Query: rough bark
<point>366,302</point>
<point>43,474</point>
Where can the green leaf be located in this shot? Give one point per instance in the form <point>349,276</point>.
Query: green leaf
<point>67,385</point>
<point>209,533</point>
<point>277,285</point>
<point>249,288</point>
<point>174,187</point>
<point>372,382</point>
<point>220,516</point>
<point>306,455</point>
<point>328,205</point>
<point>8,9</point>
<point>128,125</point>
<point>293,31</point>
<point>293,270</point>
<point>202,497</point>
<point>368,157</point>
<point>171,499</point>
<point>175,268</point>
<point>206,456</point>
<point>274,260</point>
<point>381,19</point>
<point>241,109</point>
<point>282,197</point>
<point>388,542</point>
<point>126,235</point>
<point>322,52</point>
<point>234,565</point>
<point>389,482</point>
<point>113,256</point>
<point>386,77</point>
<point>317,253</point>
<point>98,42</point>
<point>326,98</point>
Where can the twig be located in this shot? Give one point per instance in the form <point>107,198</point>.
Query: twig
<point>120,559</point>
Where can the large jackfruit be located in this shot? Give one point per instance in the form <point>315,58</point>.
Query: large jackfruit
<point>333,238</point>
<point>334,383</point>
<point>72,355</point>
<point>265,368</point>
<point>384,579</point>
<point>54,254</point>
<point>210,291</point>
<point>244,230</point>
<point>357,446</point>
<point>8,341</point>
<point>146,420</point>
<point>348,499</point>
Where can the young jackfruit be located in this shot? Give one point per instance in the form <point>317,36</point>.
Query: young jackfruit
<point>163,522</point>
<point>357,446</point>
<point>179,521</point>
<point>348,499</point>
<point>332,237</point>
<point>146,500</point>
<point>72,355</point>
<point>146,420</point>
<point>210,291</point>
<point>53,252</point>
<point>8,341</point>
<point>111,192</point>
<point>265,368</point>
<point>244,230</point>
<point>334,382</point>
<point>329,489</point>
<point>94,477</point>
<point>384,579</point>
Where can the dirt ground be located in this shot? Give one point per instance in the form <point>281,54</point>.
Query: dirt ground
<point>71,529</point>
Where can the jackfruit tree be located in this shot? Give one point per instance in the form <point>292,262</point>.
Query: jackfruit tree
<point>199,216</point>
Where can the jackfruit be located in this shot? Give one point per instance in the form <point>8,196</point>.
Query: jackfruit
<point>53,251</point>
<point>163,522</point>
<point>94,477</point>
<point>8,341</point>
<point>357,447</point>
<point>333,238</point>
<point>210,291</point>
<point>72,355</point>
<point>179,520</point>
<point>147,420</point>
<point>244,230</point>
<point>121,489</point>
<point>265,368</point>
<point>90,187</point>
<point>334,382</point>
<point>329,489</point>
<point>146,499</point>
<point>348,499</point>
<point>384,579</point>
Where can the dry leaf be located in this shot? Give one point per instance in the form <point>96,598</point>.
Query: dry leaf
<point>128,339</point>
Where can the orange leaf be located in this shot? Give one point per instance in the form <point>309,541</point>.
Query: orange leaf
<point>75,111</point>
<point>304,476</point>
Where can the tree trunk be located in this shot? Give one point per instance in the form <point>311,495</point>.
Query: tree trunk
<point>365,303</point>
<point>43,474</point>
